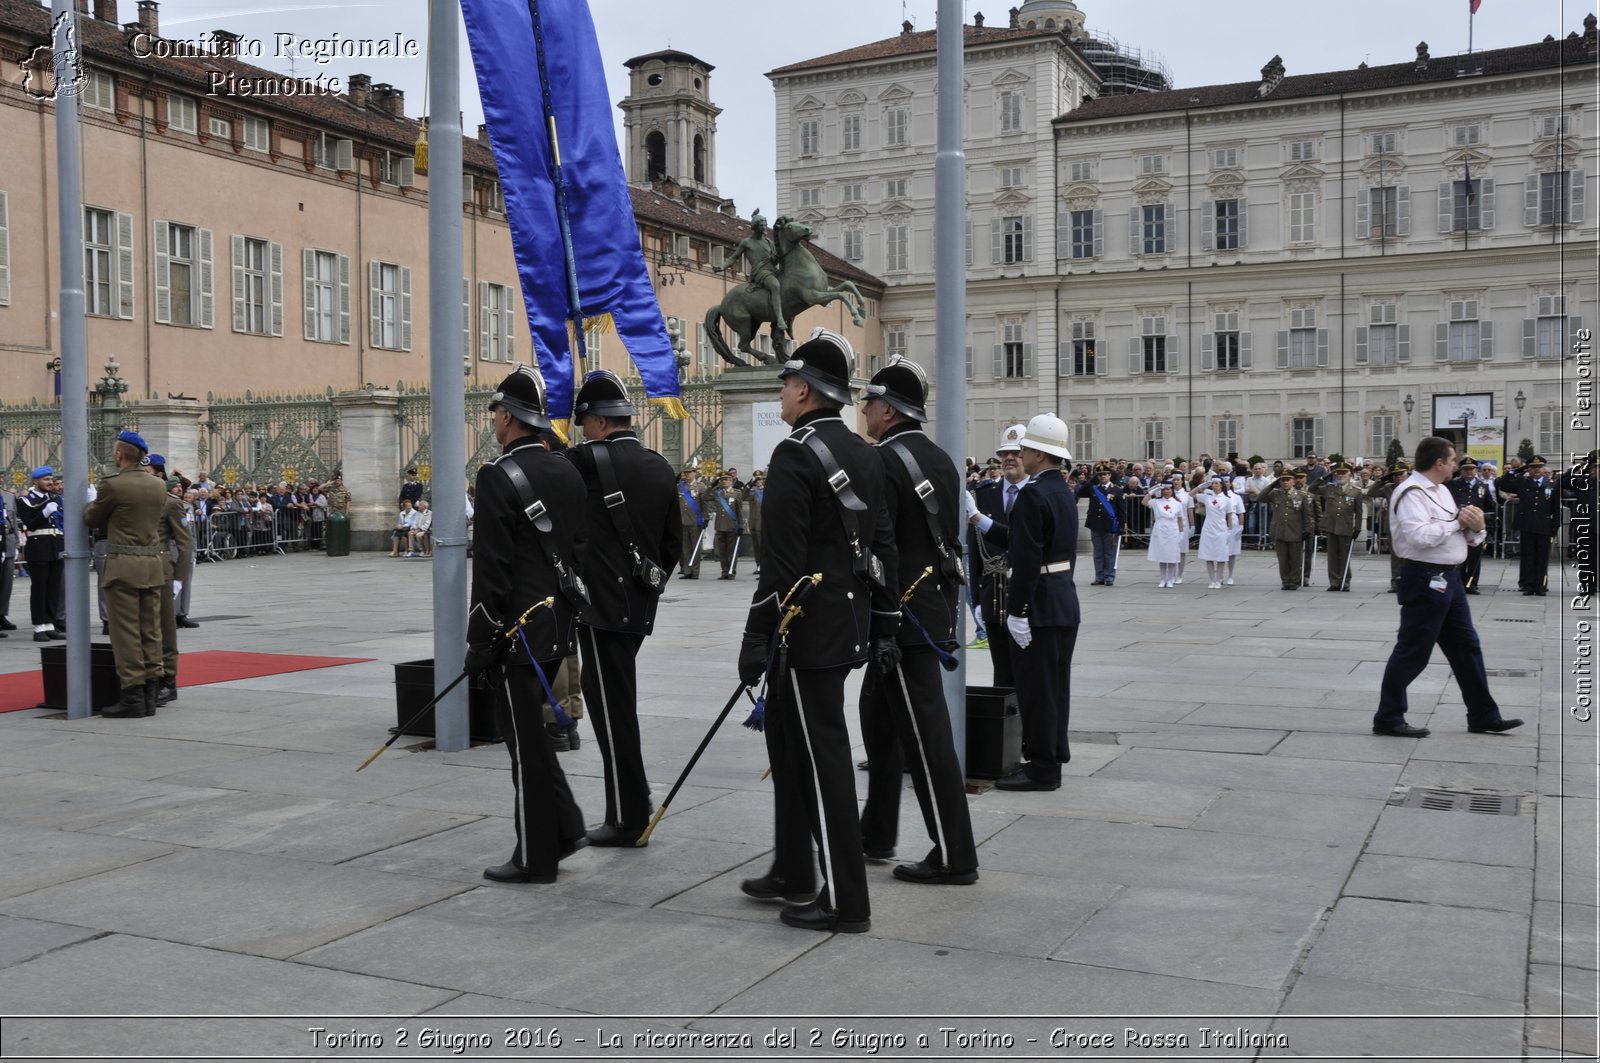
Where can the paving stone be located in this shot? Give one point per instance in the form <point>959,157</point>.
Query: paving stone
<point>1309,817</point>
<point>1565,935</point>
<point>1216,739</point>
<point>1137,854</point>
<point>1470,837</point>
<point>72,801</point>
<point>1243,772</point>
<point>1425,946</point>
<point>330,775</point>
<point>1177,931</point>
<point>1446,775</point>
<point>36,857</point>
<point>23,939</point>
<point>1376,749</point>
<point>121,975</point>
<point>1402,878</point>
<point>1459,746</point>
<point>650,961</point>
<point>1293,717</point>
<point>1431,1024</point>
<point>267,906</point>
<point>1561,1006</point>
<point>277,825</point>
<point>1108,800</point>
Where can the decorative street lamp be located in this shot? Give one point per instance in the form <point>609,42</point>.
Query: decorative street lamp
<point>1410,404</point>
<point>1520,400</point>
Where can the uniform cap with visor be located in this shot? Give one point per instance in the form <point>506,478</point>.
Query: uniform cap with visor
<point>1011,439</point>
<point>825,362</point>
<point>903,384</point>
<point>1047,434</point>
<point>603,394</point>
<point>521,394</point>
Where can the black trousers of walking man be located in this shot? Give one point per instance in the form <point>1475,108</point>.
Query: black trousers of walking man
<point>548,819</point>
<point>611,692</point>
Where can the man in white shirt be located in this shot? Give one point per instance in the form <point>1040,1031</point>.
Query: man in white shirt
<point>1431,537</point>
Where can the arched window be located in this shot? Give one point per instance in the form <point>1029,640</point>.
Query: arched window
<point>700,158</point>
<point>655,156</point>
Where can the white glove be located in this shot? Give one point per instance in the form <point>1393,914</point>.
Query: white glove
<point>50,509</point>
<point>1021,632</point>
<point>977,615</point>
<point>969,506</point>
<point>177,588</point>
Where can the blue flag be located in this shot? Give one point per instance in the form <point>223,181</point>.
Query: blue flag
<point>613,284</point>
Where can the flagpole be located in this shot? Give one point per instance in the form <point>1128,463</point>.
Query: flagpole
<point>574,297</point>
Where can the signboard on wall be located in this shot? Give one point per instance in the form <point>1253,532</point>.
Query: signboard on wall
<point>1461,411</point>
<point>1486,440</point>
<point>767,431</point>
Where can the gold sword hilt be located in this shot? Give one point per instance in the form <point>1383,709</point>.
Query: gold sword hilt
<point>906,597</point>
<point>511,632</point>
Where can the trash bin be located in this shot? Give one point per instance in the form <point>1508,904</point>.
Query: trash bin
<point>104,687</point>
<point>994,732</point>
<point>338,535</point>
<point>413,687</point>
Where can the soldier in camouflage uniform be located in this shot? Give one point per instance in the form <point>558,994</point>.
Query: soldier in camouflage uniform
<point>1292,513</point>
<point>1339,502</point>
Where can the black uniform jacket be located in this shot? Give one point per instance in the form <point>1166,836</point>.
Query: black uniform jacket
<point>617,600</point>
<point>1471,491</point>
<point>1536,503</point>
<point>990,498</point>
<point>805,533</point>
<point>510,570</point>
<point>937,598</point>
<point>1044,530</point>
<point>48,545</point>
<point>1100,519</point>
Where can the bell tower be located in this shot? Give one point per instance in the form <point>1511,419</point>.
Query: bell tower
<point>669,122</point>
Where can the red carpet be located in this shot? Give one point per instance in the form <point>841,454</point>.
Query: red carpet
<point>25,690</point>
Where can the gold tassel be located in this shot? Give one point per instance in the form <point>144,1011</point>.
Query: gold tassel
<point>420,152</point>
<point>562,427</point>
<point>602,322</point>
<point>673,406</point>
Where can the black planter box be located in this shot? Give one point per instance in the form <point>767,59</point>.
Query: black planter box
<point>994,732</point>
<point>104,690</point>
<point>413,688</point>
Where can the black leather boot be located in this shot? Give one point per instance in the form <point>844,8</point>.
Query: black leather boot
<point>152,687</point>
<point>168,690</point>
<point>130,705</point>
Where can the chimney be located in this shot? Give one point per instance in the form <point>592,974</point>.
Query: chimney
<point>1016,18</point>
<point>225,44</point>
<point>148,21</point>
<point>1589,41</point>
<point>360,89</point>
<point>1422,56</point>
<point>389,99</point>
<point>83,8</point>
<point>483,133</point>
<point>106,11</point>
<point>977,20</point>
<point>1271,75</point>
<point>905,28</point>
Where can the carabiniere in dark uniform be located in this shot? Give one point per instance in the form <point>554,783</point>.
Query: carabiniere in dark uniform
<point>40,514</point>
<point>904,716</point>
<point>528,527</point>
<point>631,543</point>
<point>1468,490</point>
<point>833,523</point>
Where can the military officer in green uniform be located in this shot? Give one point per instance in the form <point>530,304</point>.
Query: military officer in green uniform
<point>128,508</point>
<point>177,561</point>
<point>1291,510</point>
<point>1339,501</point>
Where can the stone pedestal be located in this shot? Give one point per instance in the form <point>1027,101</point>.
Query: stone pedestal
<point>172,429</point>
<point>749,407</point>
<point>369,429</point>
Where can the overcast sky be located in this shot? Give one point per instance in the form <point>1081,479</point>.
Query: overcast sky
<point>1203,43</point>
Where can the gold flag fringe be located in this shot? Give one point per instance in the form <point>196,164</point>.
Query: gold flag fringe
<point>562,427</point>
<point>673,407</point>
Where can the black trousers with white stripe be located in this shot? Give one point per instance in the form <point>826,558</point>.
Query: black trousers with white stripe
<point>904,723</point>
<point>1044,698</point>
<point>545,813</point>
<point>814,791</point>
<point>611,693</point>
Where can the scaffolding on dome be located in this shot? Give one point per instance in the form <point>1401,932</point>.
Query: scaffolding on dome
<point>1124,70</point>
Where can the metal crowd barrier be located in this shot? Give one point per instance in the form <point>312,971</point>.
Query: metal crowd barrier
<point>223,535</point>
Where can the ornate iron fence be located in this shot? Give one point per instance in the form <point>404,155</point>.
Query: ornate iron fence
<point>697,439</point>
<point>270,438</point>
<point>416,429</point>
<point>30,436</point>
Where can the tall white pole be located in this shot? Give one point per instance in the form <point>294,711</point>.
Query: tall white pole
<point>950,257</point>
<point>74,361</point>
<point>448,440</point>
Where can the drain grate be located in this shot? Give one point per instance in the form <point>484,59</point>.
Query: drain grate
<point>1459,801</point>
<point>1514,620</point>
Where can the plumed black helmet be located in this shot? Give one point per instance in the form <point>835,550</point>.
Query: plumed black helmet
<point>603,394</point>
<point>825,361</point>
<point>521,394</point>
<point>903,385</point>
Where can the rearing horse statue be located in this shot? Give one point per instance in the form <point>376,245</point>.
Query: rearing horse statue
<point>803,284</point>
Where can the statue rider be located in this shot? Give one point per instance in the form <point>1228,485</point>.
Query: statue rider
<point>761,257</point>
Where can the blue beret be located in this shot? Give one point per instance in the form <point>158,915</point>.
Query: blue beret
<point>135,439</point>
<point>156,459</point>
<point>41,472</point>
